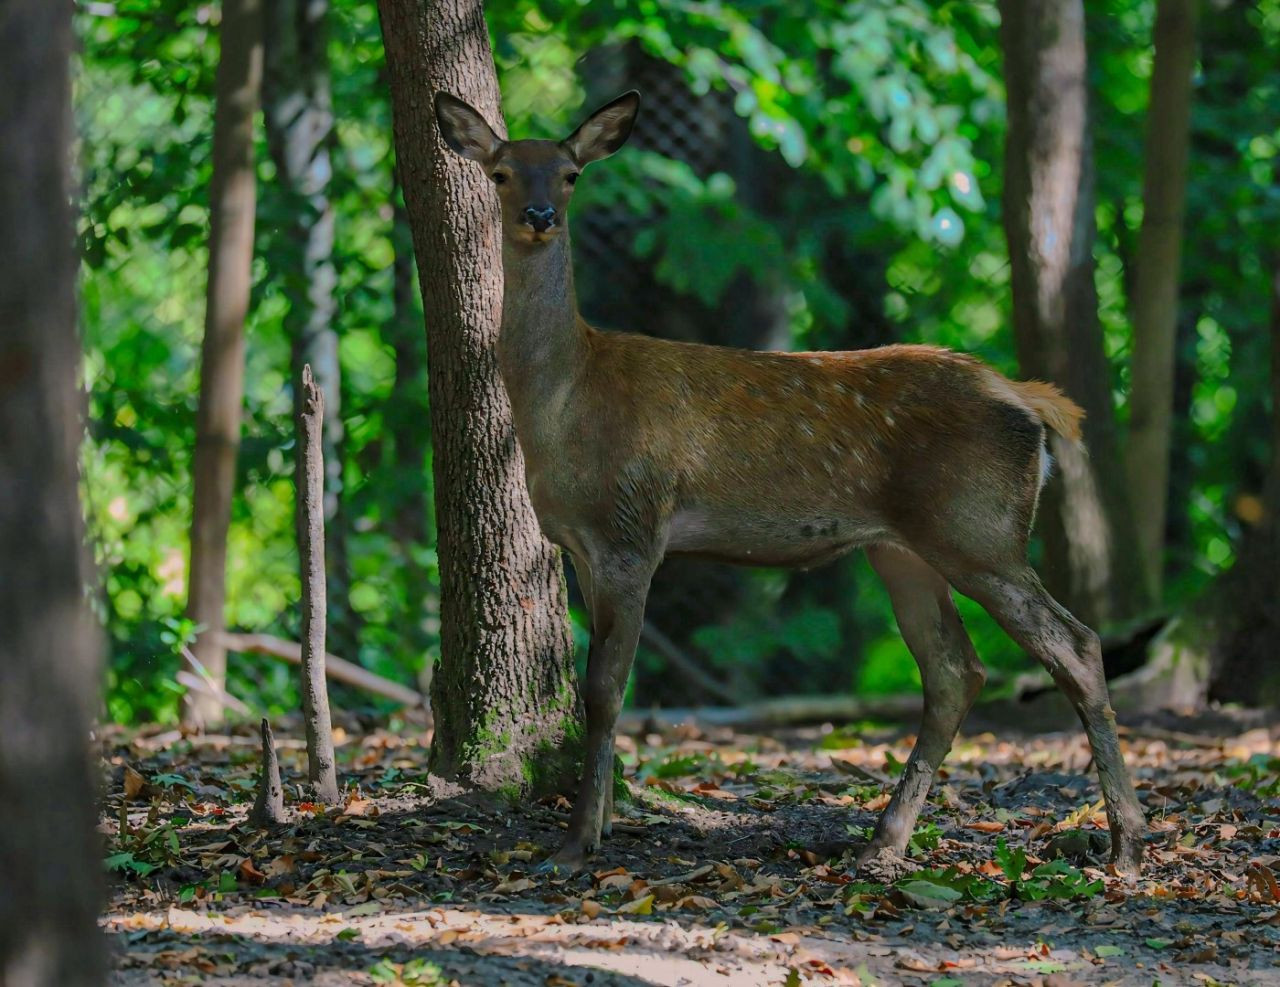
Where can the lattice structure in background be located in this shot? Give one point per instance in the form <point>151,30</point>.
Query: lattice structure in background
<point>673,122</point>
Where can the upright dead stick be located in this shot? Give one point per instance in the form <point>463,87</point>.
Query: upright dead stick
<point>268,808</point>
<point>315,693</point>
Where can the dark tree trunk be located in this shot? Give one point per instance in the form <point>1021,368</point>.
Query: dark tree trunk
<point>1091,562</point>
<point>321,769</point>
<point>1249,604</point>
<point>50,858</point>
<point>1155,294</point>
<point>298,112</point>
<point>232,198</point>
<point>504,697</point>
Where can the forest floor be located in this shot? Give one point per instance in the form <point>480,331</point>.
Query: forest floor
<point>725,868</point>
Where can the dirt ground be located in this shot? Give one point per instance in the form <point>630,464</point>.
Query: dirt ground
<point>727,867</point>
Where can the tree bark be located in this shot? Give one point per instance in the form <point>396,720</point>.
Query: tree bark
<point>505,701</point>
<point>298,112</point>
<point>1155,296</point>
<point>1091,563</point>
<point>315,690</point>
<point>232,198</point>
<point>50,857</point>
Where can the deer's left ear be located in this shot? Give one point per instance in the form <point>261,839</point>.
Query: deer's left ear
<point>606,130</point>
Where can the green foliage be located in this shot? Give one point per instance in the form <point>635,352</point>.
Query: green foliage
<point>942,888</point>
<point>415,973</point>
<point>1056,879</point>
<point>870,206</point>
<point>139,851</point>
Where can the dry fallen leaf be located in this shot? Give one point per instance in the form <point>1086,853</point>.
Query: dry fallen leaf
<point>134,783</point>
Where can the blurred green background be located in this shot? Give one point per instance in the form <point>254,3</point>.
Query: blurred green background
<point>821,175</point>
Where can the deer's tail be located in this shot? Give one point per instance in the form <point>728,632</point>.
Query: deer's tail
<point>1053,407</point>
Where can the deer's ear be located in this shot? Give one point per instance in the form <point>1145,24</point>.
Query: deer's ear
<point>606,130</point>
<point>464,129</point>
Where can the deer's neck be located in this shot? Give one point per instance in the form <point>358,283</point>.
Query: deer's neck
<point>543,341</point>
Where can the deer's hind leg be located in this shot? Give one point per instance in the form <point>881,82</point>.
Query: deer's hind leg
<point>950,671</point>
<point>1012,594</point>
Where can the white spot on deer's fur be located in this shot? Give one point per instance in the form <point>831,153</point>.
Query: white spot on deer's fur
<point>888,420</point>
<point>807,429</point>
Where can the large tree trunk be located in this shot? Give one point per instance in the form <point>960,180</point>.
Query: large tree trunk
<point>504,697</point>
<point>232,197</point>
<point>298,111</point>
<point>1155,296</point>
<point>50,859</point>
<point>1091,563</point>
<point>1245,668</point>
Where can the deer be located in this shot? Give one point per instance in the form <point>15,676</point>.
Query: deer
<point>638,448</point>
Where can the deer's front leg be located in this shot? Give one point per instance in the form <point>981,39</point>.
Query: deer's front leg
<point>618,590</point>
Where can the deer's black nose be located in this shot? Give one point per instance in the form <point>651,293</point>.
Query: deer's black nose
<point>541,218</point>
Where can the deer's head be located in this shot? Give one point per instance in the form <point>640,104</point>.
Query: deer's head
<point>535,178</point>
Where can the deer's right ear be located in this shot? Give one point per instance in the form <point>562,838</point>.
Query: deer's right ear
<point>465,130</point>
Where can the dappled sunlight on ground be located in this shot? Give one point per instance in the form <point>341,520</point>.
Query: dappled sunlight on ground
<point>730,866</point>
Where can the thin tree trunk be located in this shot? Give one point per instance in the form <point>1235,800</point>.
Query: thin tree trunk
<point>232,197</point>
<point>298,111</point>
<point>1155,297</point>
<point>505,700</point>
<point>50,857</point>
<point>1091,563</point>
<point>315,690</point>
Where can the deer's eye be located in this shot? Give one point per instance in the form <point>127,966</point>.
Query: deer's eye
<point>499,177</point>
<point>571,178</point>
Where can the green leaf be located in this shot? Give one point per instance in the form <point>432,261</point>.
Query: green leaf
<point>928,894</point>
<point>1012,862</point>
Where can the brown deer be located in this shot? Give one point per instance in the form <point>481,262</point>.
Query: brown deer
<point>636,448</point>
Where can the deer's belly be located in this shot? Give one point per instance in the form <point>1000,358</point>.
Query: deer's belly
<point>767,539</point>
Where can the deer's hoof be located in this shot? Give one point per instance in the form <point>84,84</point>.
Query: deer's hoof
<point>565,862</point>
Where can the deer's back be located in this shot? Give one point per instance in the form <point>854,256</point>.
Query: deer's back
<point>793,456</point>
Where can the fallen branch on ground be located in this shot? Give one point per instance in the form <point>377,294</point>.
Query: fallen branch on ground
<point>781,712</point>
<point>336,668</point>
